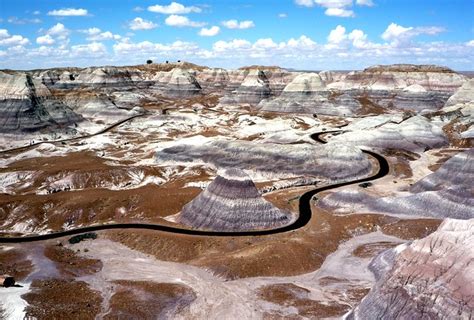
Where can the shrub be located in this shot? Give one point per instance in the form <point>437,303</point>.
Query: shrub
<point>80,237</point>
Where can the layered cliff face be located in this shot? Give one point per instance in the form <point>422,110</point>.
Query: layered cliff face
<point>272,160</point>
<point>254,84</point>
<point>214,78</point>
<point>307,93</point>
<point>177,82</point>
<point>251,90</point>
<point>232,203</point>
<point>406,87</point>
<point>398,77</point>
<point>94,77</point>
<point>26,105</point>
<point>430,278</point>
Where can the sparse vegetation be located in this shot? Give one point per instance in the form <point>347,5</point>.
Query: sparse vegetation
<point>84,236</point>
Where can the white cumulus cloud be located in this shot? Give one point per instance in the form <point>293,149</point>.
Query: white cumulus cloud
<point>45,40</point>
<point>95,34</point>
<point>368,3</point>
<point>58,30</point>
<point>336,8</point>
<point>339,12</point>
<point>141,24</point>
<point>337,35</point>
<point>94,49</point>
<point>182,21</point>
<point>236,44</point>
<point>12,40</point>
<point>234,24</point>
<point>399,35</point>
<point>174,8</point>
<point>209,32</point>
<point>68,12</point>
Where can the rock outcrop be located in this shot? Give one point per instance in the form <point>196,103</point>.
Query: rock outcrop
<point>462,99</point>
<point>414,134</point>
<point>430,278</point>
<point>177,82</point>
<point>307,93</point>
<point>273,160</point>
<point>446,193</point>
<point>252,90</point>
<point>400,76</point>
<point>406,87</point>
<point>26,105</point>
<point>232,203</point>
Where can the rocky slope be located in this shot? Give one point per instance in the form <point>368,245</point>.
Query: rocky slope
<point>177,82</point>
<point>232,203</point>
<point>307,93</point>
<point>430,278</point>
<point>415,134</point>
<point>446,193</point>
<point>271,160</point>
<point>26,105</point>
<point>401,76</point>
<point>458,114</point>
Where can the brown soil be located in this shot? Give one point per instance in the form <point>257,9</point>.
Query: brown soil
<point>372,249</point>
<point>411,229</point>
<point>148,300</point>
<point>61,299</point>
<point>155,67</point>
<point>369,107</point>
<point>94,206</point>
<point>69,263</point>
<point>291,253</point>
<point>408,68</point>
<point>444,155</point>
<point>453,130</point>
<point>290,295</point>
<point>14,262</point>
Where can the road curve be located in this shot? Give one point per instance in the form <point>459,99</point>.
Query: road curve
<point>303,218</point>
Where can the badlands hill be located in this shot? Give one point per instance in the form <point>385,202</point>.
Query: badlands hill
<point>430,278</point>
<point>232,203</point>
<point>55,100</point>
<point>27,105</point>
<point>446,193</point>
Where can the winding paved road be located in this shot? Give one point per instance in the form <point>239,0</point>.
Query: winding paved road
<point>303,219</point>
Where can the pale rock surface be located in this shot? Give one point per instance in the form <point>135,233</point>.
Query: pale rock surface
<point>397,77</point>
<point>271,160</point>
<point>177,82</point>
<point>446,193</point>
<point>430,278</point>
<point>307,93</point>
<point>414,134</point>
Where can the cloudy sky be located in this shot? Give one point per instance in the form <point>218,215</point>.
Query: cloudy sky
<point>301,34</point>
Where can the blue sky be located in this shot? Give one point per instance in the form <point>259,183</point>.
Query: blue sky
<point>302,34</point>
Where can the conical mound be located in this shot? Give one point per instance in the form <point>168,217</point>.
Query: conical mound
<point>232,203</point>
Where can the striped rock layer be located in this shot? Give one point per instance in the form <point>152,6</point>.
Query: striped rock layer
<point>232,203</point>
<point>431,278</point>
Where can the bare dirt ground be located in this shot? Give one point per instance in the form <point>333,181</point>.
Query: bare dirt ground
<point>61,299</point>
